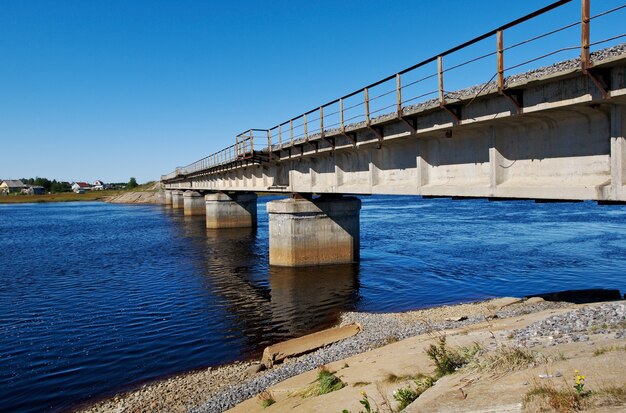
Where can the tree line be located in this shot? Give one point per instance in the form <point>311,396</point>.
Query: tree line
<point>48,185</point>
<point>55,186</point>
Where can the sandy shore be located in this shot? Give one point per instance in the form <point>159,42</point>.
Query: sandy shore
<point>218,389</point>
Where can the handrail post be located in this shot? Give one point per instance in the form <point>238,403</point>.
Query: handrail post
<point>269,143</point>
<point>440,76</point>
<point>322,121</point>
<point>251,143</point>
<point>280,136</point>
<point>500,45</point>
<point>342,126</point>
<point>399,95</point>
<point>291,131</point>
<point>306,128</point>
<point>366,94</point>
<point>585,60</point>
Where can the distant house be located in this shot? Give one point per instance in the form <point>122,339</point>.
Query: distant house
<point>98,186</point>
<point>12,186</point>
<point>80,187</point>
<point>34,190</point>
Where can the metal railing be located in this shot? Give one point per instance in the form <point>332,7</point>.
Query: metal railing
<point>420,84</point>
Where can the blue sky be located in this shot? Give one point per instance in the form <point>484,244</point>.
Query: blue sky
<point>112,89</point>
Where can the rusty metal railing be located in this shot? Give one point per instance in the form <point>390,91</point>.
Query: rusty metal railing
<point>421,84</point>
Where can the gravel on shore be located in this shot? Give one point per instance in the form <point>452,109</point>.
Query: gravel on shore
<point>575,326</point>
<point>378,329</point>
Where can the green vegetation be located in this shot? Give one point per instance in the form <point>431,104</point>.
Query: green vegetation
<point>506,359</point>
<point>132,183</point>
<point>62,197</point>
<point>53,186</point>
<point>405,396</point>
<point>547,398</point>
<point>57,191</point>
<point>600,351</point>
<point>266,398</point>
<point>366,404</point>
<point>326,382</point>
<point>448,360</point>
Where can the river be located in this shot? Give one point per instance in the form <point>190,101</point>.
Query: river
<point>96,298</point>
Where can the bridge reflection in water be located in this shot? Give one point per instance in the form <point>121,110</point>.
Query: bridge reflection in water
<point>259,304</point>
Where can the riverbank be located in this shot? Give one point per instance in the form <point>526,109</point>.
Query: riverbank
<point>143,194</point>
<point>134,197</point>
<point>60,197</point>
<point>389,342</point>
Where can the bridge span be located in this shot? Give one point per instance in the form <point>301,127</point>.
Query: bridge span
<point>555,133</point>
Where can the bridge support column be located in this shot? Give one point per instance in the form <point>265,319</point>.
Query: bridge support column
<point>236,210</point>
<point>168,197</point>
<point>193,203</point>
<point>314,232</point>
<point>177,199</point>
<point>618,151</point>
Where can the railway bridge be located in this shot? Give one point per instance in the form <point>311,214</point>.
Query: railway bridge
<point>552,133</point>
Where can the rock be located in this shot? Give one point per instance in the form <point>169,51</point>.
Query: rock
<point>460,318</point>
<point>534,300</point>
<point>254,369</point>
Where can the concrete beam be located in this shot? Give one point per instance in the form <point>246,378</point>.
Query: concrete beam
<point>314,232</point>
<point>237,210</point>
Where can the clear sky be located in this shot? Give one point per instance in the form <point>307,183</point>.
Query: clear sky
<point>108,89</point>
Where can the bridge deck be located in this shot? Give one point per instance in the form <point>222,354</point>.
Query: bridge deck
<point>554,133</point>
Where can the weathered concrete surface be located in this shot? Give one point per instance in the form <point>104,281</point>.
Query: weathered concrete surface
<point>565,142</point>
<point>193,203</point>
<point>137,197</point>
<point>236,210</point>
<point>177,200</point>
<point>297,346</point>
<point>322,231</point>
<point>499,390</point>
<point>168,197</point>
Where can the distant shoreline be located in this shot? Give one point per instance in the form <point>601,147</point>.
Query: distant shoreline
<point>60,197</point>
<point>145,193</point>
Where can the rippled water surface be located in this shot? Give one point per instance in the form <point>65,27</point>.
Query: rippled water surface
<point>97,298</point>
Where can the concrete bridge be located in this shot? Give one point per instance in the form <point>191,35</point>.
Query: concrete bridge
<point>556,133</point>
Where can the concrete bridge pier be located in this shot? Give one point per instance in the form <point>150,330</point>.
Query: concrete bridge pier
<point>167,197</point>
<point>193,203</point>
<point>317,231</point>
<point>234,210</point>
<point>177,200</point>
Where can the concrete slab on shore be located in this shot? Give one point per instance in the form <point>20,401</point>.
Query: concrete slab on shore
<point>301,345</point>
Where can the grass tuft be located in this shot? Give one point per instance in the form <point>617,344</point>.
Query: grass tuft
<point>266,398</point>
<point>326,382</point>
<point>405,396</point>
<point>447,360</point>
<point>602,350</point>
<point>546,398</point>
<point>506,359</point>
